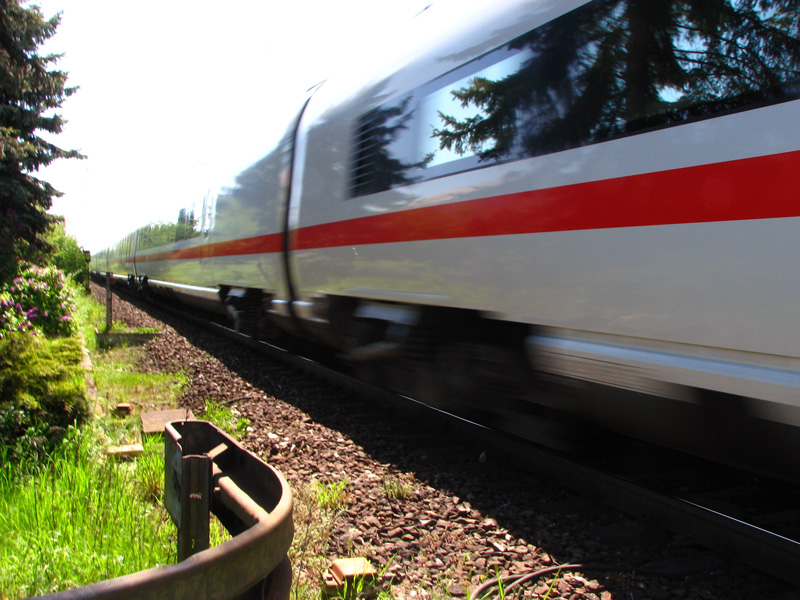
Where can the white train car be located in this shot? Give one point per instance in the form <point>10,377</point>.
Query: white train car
<point>599,196</point>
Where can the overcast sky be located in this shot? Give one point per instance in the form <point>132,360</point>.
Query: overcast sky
<point>176,95</point>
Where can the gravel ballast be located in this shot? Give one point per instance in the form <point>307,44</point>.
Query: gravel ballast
<point>437,515</point>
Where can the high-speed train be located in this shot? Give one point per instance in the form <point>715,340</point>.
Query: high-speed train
<point>557,208</point>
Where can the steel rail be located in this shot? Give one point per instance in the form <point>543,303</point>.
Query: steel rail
<point>766,551</point>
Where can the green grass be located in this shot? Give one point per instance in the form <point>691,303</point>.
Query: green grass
<point>396,489</point>
<point>69,515</point>
<point>124,327</point>
<point>118,380</point>
<point>331,496</point>
<point>78,517</point>
<point>148,473</point>
<point>89,316</point>
<point>314,525</point>
<point>226,418</point>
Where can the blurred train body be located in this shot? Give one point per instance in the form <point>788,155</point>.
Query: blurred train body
<point>552,208</point>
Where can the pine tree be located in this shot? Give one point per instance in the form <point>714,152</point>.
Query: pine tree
<point>31,89</point>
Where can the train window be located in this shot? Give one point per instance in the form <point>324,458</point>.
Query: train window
<point>385,148</point>
<point>188,225</point>
<point>608,69</point>
<point>442,105</point>
<point>209,212</point>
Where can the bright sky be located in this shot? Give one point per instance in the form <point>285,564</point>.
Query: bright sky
<point>177,95</point>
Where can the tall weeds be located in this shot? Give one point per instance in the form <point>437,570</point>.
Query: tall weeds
<point>75,518</point>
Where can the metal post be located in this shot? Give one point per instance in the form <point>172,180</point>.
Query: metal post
<point>195,505</point>
<point>108,302</point>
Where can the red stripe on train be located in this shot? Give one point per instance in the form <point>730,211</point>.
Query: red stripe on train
<point>260,244</point>
<point>755,188</point>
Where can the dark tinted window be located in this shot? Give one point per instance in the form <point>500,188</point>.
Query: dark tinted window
<point>385,152</point>
<point>607,69</point>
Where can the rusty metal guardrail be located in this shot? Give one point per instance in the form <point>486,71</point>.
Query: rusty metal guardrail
<point>207,470</point>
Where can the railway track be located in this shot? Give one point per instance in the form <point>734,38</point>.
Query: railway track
<point>733,514</point>
<point>755,519</point>
<point>737,519</point>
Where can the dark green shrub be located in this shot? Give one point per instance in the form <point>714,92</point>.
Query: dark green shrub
<point>42,387</point>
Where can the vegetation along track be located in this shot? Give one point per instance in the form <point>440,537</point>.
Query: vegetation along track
<point>437,514</point>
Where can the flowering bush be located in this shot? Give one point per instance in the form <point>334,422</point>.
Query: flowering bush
<point>37,301</point>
